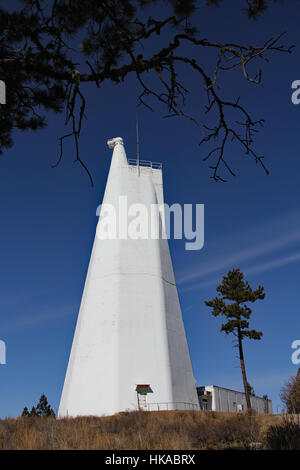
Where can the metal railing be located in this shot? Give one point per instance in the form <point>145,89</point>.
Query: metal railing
<point>145,163</point>
<point>172,406</point>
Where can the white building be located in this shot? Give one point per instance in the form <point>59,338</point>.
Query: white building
<point>216,398</point>
<point>129,349</point>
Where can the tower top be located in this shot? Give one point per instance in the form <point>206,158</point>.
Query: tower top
<point>113,142</point>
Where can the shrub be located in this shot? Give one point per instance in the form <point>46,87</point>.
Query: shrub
<point>283,437</point>
<point>172,430</point>
<point>290,394</point>
<point>228,431</point>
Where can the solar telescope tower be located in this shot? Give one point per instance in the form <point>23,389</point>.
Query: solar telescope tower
<point>129,348</point>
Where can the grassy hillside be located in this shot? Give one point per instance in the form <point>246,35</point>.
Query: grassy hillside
<point>156,430</point>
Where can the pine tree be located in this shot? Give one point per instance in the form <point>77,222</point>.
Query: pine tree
<point>33,413</point>
<point>25,412</point>
<point>43,409</point>
<point>46,67</point>
<point>237,313</point>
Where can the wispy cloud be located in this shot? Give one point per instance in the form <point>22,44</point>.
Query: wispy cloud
<point>260,243</point>
<point>276,263</point>
<point>200,284</point>
<point>35,319</point>
<point>243,255</point>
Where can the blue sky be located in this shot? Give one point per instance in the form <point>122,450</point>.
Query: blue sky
<point>48,220</point>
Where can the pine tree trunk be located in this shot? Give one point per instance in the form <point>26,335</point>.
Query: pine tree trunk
<point>245,382</point>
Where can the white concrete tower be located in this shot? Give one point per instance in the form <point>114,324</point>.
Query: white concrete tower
<point>129,349</point>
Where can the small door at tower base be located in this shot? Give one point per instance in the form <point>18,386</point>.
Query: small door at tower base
<point>142,391</point>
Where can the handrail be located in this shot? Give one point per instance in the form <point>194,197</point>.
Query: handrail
<point>171,405</point>
<point>145,163</point>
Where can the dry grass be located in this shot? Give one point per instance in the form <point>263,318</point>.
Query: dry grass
<point>140,430</point>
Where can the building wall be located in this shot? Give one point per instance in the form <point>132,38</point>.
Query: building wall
<point>223,399</point>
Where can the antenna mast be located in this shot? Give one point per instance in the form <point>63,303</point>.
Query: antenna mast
<point>137,146</point>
